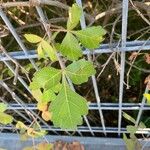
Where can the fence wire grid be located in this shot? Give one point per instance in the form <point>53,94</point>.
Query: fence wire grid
<point>20,108</point>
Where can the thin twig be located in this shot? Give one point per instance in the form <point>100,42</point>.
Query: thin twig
<point>141,15</point>
<point>16,63</point>
<point>34,3</point>
<point>133,63</point>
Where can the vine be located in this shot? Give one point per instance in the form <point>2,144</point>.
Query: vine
<point>57,101</point>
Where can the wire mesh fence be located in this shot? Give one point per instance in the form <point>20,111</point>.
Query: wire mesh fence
<point>25,110</point>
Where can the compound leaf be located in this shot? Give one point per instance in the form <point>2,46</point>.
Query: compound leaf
<point>70,47</point>
<point>91,36</point>
<point>79,71</point>
<point>5,118</point>
<point>47,77</point>
<point>68,108</point>
<point>32,38</point>
<point>3,107</point>
<point>74,16</point>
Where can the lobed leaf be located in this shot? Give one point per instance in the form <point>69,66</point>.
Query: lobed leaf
<point>47,78</point>
<point>90,37</point>
<point>70,47</point>
<point>68,108</point>
<point>79,71</point>
<point>74,16</point>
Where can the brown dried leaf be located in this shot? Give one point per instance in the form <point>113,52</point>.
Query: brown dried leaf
<point>147,81</point>
<point>147,58</point>
<point>46,115</point>
<point>68,146</point>
<point>44,146</point>
<point>133,55</point>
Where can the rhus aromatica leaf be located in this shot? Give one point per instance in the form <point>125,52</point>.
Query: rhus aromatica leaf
<point>70,47</point>
<point>74,16</point>
<point>47,77</point>
<point>90,37</point>
<point>68,108</point>
<point>79,71</point>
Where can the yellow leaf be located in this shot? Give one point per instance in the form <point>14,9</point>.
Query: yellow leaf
<point>28,148</point>
<point>46,115</point>
<point>30,132</point>
<point>42,106</point>
<point>44,146</point>
<point>147,96</point>
<point>37,94</point>
<point>21,125</point>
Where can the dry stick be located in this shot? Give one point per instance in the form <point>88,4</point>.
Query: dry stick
<point>147,31</point>
<point>141,15</point>
<point>133,63</point>
<point>16,63</point>
<point>138,31</point>
<point>111,39</point>
<point>106,63</point>
<point>34,3</point>
<point>14,17</point>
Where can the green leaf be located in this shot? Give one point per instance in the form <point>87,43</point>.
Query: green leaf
<point>74,16</point>
<point>91,36</point>
<point>49,50</point>
<point>3,107</point>
<point>147,96</point>
<point>32,38</point>
<point>79,71</point>
<point>68,108</point>
<point>128,117</point>
<point>5,118</point>
<point>142,125</point>
<point>130,144</point>
<point>40,51</point>
<point>47,77</point>
<point>48,96</point>
<point>132,129</point>
<point>70,47</point>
